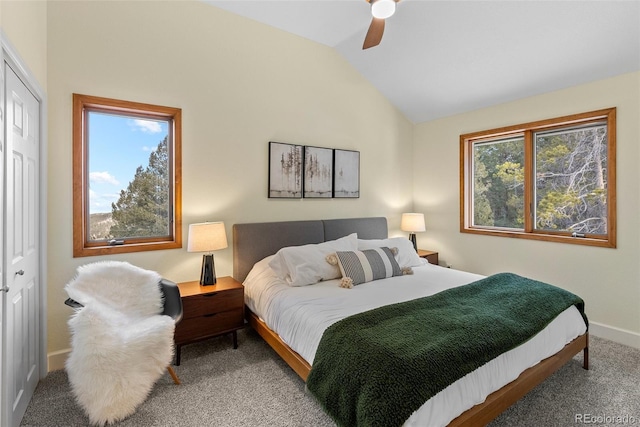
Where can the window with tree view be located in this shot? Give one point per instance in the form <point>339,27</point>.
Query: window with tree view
<point>126,176</point>
<point>548,180</point>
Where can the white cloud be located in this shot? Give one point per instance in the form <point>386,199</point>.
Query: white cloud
<point>147,126</point>
<point>103,178</point>
<point>101,202</point>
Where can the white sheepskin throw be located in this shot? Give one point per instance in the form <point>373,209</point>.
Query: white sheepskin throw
<point>120,344</point>
<point>119,285</point>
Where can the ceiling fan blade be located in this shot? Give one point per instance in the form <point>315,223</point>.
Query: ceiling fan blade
<point>374,35</point>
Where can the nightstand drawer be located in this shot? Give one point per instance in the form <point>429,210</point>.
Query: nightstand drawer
<point>199,305</point>
<point>209,311</point>
<point>209,325</point>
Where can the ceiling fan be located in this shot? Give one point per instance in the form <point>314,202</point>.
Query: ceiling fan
<point>381,10</point>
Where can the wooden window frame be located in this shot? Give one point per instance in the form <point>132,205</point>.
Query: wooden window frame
<point>527,130</point>
<point>82,105</point>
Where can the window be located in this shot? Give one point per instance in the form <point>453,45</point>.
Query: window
<point>549,180</point>
<point>126,176</point>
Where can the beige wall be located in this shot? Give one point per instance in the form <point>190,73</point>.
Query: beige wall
<point>608,279</point>
<point>240,84</point>
<point>25,25</point>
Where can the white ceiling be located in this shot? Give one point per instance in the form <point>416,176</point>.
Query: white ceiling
<point>439,58</point>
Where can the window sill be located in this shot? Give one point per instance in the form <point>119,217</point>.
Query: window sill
<point>559,238</point>
<point>122,249</point>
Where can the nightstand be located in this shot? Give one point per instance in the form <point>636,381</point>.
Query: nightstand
<point>430,256</point>
<point>209,311</point>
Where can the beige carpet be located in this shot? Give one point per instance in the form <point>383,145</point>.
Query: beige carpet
<point>251,386</point>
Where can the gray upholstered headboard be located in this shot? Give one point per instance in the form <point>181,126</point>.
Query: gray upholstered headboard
<point>255,241</point>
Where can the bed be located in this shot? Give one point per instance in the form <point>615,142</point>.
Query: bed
<point>461,403</point>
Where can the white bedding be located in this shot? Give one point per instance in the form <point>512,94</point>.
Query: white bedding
<point>299,315</point>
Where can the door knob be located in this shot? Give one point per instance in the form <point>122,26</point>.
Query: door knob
<point>5,288</point>
<point>20,273</point>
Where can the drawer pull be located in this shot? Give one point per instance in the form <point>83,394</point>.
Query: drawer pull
<point>210,315</point>
<point>210,295</point>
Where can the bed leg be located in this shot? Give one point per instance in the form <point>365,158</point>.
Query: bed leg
<point>585,352</point>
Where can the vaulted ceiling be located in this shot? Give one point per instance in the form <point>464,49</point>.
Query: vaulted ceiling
<point>440,58</point>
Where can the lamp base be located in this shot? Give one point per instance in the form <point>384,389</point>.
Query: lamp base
<point>412,237</point>
<point>208,273</point>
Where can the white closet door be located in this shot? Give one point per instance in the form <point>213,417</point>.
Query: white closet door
<point>22,252</point>
<point>3,287</point>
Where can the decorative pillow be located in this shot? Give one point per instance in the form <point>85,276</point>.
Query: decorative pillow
<point>364,266</point>
<point>407,255</point>
<point>306,265</point>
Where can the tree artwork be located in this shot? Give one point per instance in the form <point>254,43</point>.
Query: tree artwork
<point>285,170</point>
<point>318,172</point>
<point>347,174</point>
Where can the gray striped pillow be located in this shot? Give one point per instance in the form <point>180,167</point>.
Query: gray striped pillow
<point>364,266</point>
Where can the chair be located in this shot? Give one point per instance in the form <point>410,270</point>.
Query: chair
<point>173,308</point>
<point>122,336</point>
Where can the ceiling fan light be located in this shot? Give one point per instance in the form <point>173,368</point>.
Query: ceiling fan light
<point>383,9</point>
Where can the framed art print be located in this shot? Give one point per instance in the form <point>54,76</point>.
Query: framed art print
<point>285,170</point>
<point>346,167</point>
<point>318,172</point>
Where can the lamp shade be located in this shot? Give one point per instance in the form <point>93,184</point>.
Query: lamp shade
<point>206,237</point>
<point>382,9</point>
<point>412,222</point>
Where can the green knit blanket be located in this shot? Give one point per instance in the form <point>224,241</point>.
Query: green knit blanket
<point>378,367</point>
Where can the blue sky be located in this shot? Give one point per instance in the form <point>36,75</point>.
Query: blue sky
<point>117,146</point>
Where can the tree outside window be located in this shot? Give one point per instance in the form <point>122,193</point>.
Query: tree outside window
<point>499,183</point>
<point>571,180</point>
<point>548,180</point>
<point>127,176</point>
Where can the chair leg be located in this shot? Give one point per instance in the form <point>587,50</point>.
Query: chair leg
<point>173,375</point>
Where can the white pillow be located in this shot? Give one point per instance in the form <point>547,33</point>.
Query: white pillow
<point>258,269</point>
<point>306,264</point>
<point>364,266</point>
<point>407,255</point>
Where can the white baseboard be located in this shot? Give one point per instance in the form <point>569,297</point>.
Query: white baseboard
<point>57,359</point>
<point>622,336</point>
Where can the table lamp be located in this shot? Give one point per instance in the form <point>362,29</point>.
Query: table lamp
<point>413,223</point>
<point>207,237</point>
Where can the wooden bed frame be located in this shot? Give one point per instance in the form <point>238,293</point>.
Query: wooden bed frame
<point>261,238</point>
<point>480,414</point>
